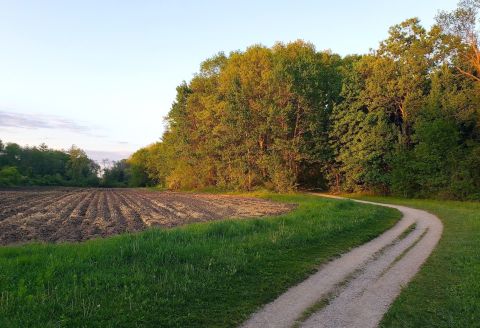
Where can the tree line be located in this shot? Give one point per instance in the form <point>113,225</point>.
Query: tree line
<point>403,119</point>
<point>43,166</point>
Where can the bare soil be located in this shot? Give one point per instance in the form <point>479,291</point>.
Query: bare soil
<point>76,214</point>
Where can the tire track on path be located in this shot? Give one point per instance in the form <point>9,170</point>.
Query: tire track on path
<point>358,288</point>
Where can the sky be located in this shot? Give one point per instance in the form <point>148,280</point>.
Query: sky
<point>102,74</point>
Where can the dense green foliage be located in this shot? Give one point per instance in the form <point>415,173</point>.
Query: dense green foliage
<point>46,167</point>
<point>404,119</point>
<point>136,171</point>
<point>446,291</point>
<point>42,166</point>
<point>211,274</point>
<point>253,118</point>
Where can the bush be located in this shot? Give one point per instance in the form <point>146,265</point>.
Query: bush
<point>9,176</point>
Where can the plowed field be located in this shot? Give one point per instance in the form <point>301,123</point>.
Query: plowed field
<point>74,214</point>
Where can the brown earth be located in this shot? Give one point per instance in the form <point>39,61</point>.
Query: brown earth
<point>75,214</point>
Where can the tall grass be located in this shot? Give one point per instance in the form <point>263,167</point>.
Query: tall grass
<point>212,274</point>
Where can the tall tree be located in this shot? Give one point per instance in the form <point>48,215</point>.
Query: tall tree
<point>461,24</point>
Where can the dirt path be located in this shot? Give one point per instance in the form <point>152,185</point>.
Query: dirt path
<point>357,289</point>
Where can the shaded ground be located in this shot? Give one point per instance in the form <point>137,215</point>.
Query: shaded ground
<point>75,214</point>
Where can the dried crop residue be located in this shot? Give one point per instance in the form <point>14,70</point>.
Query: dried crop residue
<point>76,214</point>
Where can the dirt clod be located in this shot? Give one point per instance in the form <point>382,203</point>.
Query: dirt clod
<point>75,214</point>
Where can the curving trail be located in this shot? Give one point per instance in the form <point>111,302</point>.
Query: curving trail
<point>357,289</point>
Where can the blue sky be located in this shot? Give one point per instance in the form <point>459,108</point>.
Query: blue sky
<point>102,74</point>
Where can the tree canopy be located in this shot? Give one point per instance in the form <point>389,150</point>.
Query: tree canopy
<point>402,119</point>
<point>44,166</point>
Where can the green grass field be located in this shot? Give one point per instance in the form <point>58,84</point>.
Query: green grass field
<point>212,274</point>
<point>446,291</point>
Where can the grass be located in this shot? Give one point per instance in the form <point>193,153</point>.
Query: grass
<point>212,274</point>
<point>446,291</point>
<point>319,305</point>
<point>407,231</point>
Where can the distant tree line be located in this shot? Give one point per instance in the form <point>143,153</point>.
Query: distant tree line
<point>42,166</point>
<point>403,119</point>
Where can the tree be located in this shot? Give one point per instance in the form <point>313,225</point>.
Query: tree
<point>137,169</point>
<point>80,169</point>
<point>461,25</point>
<point>117,175</point>
<point>398,120</point>
<point>9,176</point>
<point>44,166</point>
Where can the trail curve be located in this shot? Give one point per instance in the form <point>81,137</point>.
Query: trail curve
<point>357,289</point>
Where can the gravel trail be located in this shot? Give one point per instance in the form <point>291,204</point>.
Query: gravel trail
<point>357,289</point>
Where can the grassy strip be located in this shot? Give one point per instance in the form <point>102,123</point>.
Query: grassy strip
<point>446,291</point>
<point>324,301</point>
<point>212,274</point>
<point>319,305</point>
<point>401,256</point>
<point>407,231</point>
